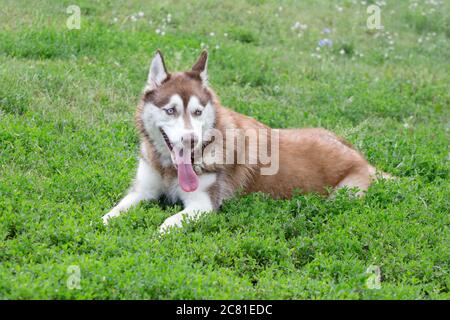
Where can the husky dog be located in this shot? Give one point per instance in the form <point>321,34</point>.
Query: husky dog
<point>182,123</point>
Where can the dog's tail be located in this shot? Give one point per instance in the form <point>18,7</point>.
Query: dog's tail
<point>376,174</point>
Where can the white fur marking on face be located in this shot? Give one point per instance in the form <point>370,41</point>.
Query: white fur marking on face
<point>174,126</point>
<point>176,102</point>
<point>194,104</point>
<point>155,118</point>
<point>205,122</point>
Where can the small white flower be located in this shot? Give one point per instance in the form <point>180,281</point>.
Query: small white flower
<point>158,31</point>
<point>217,47</point>
<point>298,25</point>
<point>225,34</point>
<point>115,20</point>
<point>342,52</point>
<point>212,34</point>
<point>140,14</point>
<point>133,18</point>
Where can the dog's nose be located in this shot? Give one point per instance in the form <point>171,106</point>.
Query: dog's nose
<point>189,140</point>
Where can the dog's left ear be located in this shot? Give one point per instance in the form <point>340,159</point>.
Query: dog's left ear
<point>201,67</point>
<point>157,73</point>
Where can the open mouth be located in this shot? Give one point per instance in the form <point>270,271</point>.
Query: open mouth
<point>170,146</point>
<point>187,178</point>
<point>166,139</point>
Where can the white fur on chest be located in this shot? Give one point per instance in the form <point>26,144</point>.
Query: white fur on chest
<point>168,185</point>
<point>174,193</point>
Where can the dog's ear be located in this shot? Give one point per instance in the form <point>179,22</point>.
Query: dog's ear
<point>201,67</point>
<point>157,72</point>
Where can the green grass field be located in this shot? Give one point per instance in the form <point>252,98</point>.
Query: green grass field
<point>68,149</point>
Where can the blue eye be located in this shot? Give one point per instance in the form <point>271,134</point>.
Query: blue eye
<point>170,111</point>
<point>198,112</point>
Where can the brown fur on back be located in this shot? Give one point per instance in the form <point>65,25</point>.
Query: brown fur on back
<point>311,160</point>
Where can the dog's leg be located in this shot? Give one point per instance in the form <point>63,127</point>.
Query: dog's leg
<point>147,186</point>
<point>195,203</point>
<point>357,178</point>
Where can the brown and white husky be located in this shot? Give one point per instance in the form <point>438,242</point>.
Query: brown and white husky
<point>198,152</point>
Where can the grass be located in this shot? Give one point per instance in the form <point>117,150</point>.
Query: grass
<point>69,147</point>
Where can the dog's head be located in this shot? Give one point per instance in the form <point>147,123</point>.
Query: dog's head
<point>177,114</point>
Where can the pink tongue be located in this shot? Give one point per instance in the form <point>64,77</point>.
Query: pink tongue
<point>187,178</point>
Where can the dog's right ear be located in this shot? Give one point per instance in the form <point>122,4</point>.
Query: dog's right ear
<point>157,72</point>
<point>201,67</point>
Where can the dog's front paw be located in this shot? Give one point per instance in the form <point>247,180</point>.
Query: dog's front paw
<point>105,219</point>
<point>174,221</point>
<point>108,216</point>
